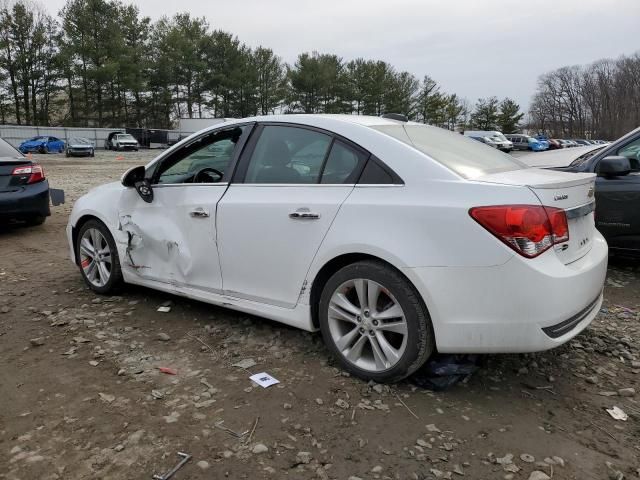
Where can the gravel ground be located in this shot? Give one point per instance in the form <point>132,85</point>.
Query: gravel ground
<point>83,396</point>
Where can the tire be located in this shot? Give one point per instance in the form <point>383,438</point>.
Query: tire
<point>114,280</point>
<point>93,153</point>
<point>35,221</point>
<point>43,149</point>
<point>67,154</point>
<point>411,348</point>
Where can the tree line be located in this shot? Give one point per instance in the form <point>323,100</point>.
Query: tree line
<point>101,63</point>
<point>600,100</point>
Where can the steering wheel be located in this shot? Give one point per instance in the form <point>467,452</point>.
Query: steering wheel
<point>204,175</point>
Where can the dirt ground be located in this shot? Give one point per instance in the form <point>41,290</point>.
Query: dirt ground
<point>82,395</point>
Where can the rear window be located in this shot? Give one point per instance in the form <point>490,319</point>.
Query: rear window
<point>7,151</point>
<point>467,157</point>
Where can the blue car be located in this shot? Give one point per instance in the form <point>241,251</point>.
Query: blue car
<point>525,142</point>
<point>42,145</point>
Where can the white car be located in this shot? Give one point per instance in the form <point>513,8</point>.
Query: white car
<point>492,137</point>
<point>394,239</point>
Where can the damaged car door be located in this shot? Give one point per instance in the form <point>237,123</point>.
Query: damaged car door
<point>286,191</point>
<point>172,239</point>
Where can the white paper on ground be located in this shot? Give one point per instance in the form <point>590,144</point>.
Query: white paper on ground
<point>263,379</point>
<point>618,413</point>
<point>164,309</point>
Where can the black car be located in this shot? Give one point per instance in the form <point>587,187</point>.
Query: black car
<point>617,190</point>
<point>24,190</point>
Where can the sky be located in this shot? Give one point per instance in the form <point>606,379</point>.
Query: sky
<point>475,48</point>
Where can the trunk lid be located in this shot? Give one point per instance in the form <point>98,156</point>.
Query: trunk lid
<point>572,192</point>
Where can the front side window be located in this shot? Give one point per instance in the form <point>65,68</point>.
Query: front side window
<point>632,151</point>
<point>464,156</point>
<point>288,155</point>
<point>204,160</point>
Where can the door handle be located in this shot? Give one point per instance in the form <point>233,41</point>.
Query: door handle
<point>304,214</point>
<point>199,213</point>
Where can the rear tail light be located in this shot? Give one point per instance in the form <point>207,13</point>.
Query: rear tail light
<point>35,172</point>
<point>528,229</point>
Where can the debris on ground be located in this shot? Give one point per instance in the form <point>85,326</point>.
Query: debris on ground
<point>617,414</point>
<point>245,363</point>
<point>168,371</point>
<point>442,371</point>
<point>263,379</point>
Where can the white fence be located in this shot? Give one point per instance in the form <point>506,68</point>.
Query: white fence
<point>16,134</point>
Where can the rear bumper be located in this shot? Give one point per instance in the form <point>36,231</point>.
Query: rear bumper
<point>520,306</point>
<point>31,201</point>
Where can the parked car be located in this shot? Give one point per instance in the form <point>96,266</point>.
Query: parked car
<point>369,229</point>
<point>617,187</point>
<point>496,138</point>
<point>525,142</point>
<point>121,141</point>
<point>582,142</point>
<point>42,144</point>
<point>24,190</point>
<point>80,147</point>
<point>485,140</point>
<point>554,144</point>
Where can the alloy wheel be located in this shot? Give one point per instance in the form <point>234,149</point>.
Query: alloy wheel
<point>95,257</point>
<point>367,325</point>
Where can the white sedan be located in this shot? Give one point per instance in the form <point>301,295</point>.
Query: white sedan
<point>394,239</point>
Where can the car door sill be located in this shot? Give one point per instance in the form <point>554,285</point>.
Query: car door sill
<point>298,316</point>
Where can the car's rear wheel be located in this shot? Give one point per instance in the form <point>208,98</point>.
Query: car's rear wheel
<point>98,257</point>
<point>374,322</point>
<point>43,149</point>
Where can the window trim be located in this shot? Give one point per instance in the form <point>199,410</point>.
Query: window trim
<point>242,165</point>
<point>152,170</point>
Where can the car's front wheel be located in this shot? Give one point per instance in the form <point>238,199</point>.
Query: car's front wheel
<point>374,322</point>
<point>98,257</point>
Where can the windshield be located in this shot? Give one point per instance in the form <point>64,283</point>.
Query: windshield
<point>498,137</point>
<point>7,151</point>
<point>79,141</point>
<point>125,137</point>
<point>38,139</point>
<point>463,155</point>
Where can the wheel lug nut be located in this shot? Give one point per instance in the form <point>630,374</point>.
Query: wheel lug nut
<point>358,319</point>
<point>361,330</point>
<point>371,332</point>
<point>366,313</point>
<point>375,322</point>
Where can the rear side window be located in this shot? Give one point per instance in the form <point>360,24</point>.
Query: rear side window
<point>467,157</point>
<point>7,151</point>
<point>288,155</point>
<point>375,174</point>
<point>343,164</point>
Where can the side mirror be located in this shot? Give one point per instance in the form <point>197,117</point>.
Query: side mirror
<point>613,166</point>
<point>134,177</point>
